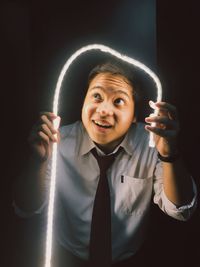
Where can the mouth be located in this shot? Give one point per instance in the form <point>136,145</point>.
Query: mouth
<point>101,124</point>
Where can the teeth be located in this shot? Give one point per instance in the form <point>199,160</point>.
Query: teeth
<point>102,125</point>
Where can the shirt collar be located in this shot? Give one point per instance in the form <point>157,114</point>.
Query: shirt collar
<point>127,144</point>
<point>87,144</point>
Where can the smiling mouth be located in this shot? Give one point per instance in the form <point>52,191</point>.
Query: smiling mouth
<point>102,125</point>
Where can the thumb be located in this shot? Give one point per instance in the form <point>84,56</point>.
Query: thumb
<point>56,122</point>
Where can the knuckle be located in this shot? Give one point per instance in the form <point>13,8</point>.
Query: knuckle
<point>43,126</point>
<point>40,133</point>
<point>43,136</point>
<point>43,117</point>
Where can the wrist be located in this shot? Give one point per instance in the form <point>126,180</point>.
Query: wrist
<point>171,158</point>
<point>36,161</point>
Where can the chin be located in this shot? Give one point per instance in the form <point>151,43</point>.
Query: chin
<point>100,142</point>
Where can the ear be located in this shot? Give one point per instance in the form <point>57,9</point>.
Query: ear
<point>134,119</point>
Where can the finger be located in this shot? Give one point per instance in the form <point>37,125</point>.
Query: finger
<point>162,120</point>
<point>165,105</point>
<point>167,113</point>
<point>50,123</point>
<point>45,120</point>
<point>167,109</point>
<point>152,104</point>
<point>56,123</point>
<point>58,136</point>
<point>43,137</point>
<point>45,129</point>
<point>161,132</point>
<point>50,115</point>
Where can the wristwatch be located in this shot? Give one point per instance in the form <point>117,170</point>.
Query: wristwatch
<point>169,158</point>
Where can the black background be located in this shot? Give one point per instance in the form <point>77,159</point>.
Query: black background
<point>30,62</point>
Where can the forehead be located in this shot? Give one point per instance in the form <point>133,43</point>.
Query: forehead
<point>110,81</point>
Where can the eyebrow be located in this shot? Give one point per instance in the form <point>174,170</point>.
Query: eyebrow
<point>103,89</point>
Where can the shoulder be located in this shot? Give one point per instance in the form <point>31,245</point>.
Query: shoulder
<point>138,138</point>
<point>70,139</point>
<point>137,130</point>
<point>70,130</point>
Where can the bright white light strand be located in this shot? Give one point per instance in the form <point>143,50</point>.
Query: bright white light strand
<point>82,50</point>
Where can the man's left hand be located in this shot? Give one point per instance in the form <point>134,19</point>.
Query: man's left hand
<point>165,128</point>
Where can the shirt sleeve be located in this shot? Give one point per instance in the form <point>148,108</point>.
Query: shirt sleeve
<point>182,213</point>
<point>24,214</point>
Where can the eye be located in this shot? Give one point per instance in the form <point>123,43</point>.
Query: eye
<point>119,102</point>
<point>97,96</point>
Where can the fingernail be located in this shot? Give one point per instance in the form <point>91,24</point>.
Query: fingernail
<point>55,137</point>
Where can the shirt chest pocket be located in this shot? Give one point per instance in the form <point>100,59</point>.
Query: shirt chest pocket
<point>133,195</point>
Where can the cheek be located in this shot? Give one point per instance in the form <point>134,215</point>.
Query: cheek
<point>127,117</point>
<point>88,110</point>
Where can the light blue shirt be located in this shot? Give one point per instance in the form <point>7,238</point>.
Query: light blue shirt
<point>135,178</point>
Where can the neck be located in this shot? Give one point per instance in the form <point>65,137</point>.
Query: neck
<point>109,148</point>
<point>104,149</point>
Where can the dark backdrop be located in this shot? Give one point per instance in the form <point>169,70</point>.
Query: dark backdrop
<point>178,66</point>
<point>37,38</point>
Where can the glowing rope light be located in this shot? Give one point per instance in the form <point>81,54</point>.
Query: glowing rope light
<point>82,50</point>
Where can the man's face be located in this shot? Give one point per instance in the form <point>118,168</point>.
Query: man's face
<point>108,110</point>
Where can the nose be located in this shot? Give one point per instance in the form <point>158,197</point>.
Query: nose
<point>105,109</point>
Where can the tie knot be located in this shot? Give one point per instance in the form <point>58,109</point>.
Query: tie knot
<point>104,162</point>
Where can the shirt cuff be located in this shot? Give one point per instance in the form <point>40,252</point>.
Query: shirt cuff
<point>25,214</point>
<point>186,209</point>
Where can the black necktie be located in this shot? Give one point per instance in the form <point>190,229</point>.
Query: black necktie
<point>100,238</point>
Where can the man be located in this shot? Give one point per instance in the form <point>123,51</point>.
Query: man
<point>108,126</point>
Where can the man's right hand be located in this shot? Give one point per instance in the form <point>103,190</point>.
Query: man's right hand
<point>42,135</point>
